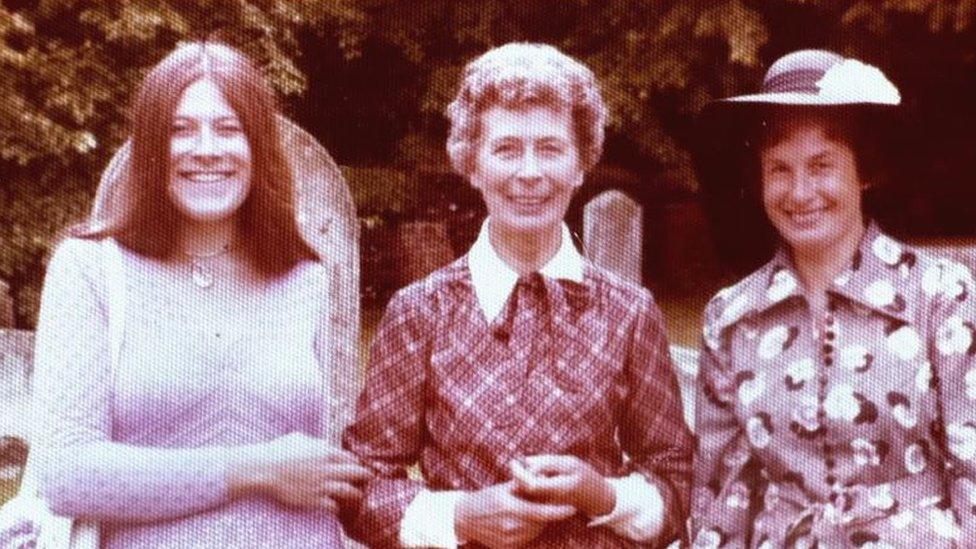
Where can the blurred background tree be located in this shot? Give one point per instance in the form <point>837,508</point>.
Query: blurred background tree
<point>370,78</point>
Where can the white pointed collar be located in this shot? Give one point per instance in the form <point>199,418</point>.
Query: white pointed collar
<point>494,280</point>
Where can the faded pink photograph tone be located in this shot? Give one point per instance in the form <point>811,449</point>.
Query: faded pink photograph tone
<point>539,273</point>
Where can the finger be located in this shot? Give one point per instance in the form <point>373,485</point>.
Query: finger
<point>549,464</point>
<point>543,512</point>
<point>554,488</point>
<point>344,472</point>
<point>338,455</point>
<point>329,505</point>
<point>520,475</point>
<point>342,491</point>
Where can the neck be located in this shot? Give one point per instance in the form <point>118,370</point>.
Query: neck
<point>203,239</point>
<point>525,252</point>
<point>818,267</point>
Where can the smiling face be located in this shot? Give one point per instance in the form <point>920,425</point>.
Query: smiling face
<point>810,188</point>
<point>527,166</point>
<point>210,156</point>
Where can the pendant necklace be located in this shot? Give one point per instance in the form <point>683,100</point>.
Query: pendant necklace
<point>201,267</point>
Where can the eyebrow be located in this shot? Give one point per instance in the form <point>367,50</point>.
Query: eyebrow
<point>224,118</point>
<point>824,155</point>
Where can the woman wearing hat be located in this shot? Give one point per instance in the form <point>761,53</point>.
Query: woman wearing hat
<point>520,375</point>
<point>194,415</point>
<point>835,399</point>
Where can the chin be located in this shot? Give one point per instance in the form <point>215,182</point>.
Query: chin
<point>531,225</point>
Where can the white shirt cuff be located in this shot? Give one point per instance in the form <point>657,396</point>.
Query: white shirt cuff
<point>638,514</point>
<point>429,520</point>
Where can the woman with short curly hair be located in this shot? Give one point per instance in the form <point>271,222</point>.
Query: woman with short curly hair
<point>521,375</point>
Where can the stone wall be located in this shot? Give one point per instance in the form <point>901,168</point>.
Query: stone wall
<point>16,355</point>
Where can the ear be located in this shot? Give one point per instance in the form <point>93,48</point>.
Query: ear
<point>579,179</point>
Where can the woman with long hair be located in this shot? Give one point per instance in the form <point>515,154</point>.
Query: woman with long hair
<point>203,421</point>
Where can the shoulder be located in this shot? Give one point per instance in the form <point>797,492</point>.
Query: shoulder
<point>732,304</point>
<point>614,290</point>
<point>434,292</point>
<point>76,257</point>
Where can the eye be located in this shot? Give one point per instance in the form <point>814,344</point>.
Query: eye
<point>820,167</point>
<point>181,127</point>
<point>550,149</point>
<point>230,127</point>
<point>505,150</point>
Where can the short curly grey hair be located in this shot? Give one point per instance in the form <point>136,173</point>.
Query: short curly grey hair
<point>519,74</point>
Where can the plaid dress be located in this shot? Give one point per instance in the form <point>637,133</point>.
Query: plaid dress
<point>566,368</point>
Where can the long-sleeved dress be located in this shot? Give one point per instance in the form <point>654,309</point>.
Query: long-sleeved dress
<point>202,373</point>
<point>587,373</point>
<point>859,434</point>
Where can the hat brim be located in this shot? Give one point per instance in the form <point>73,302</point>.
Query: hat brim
<point>798,99</point>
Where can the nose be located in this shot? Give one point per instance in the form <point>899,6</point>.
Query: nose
<point>206,145</point>
<point>803,188</point>
<point>530,170</point>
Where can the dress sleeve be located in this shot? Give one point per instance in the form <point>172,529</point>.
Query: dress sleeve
<point>953,359</point>
<point>723,468</point>
<point>337,349</point>
<point>388,430</point>
<point>81,472</point>
<point>652,429</point>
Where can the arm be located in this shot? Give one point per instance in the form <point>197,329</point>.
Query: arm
<point>719,516</point>
<point>388,429</point>
<point>81,472</point>
<point>954,366</point>
<point>652,430</point>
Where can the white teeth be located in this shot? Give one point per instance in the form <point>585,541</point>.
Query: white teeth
<point>809,215</point>
<point>206,177</point>
<point>528,201</point>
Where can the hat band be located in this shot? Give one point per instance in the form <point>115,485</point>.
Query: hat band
<point>799,80</point>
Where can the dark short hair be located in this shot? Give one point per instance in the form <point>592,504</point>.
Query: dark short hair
<point>850,126</point>
<point>267,220</point>
<point>860,128</point>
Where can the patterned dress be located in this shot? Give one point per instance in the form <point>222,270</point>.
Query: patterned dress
<point>859,434</point>
<point>587,373</point>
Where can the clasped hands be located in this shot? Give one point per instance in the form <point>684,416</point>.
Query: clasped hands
<point>543,489</point>
<point>299,471</point>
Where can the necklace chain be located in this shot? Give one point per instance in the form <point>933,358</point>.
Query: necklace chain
<point>201,273</point>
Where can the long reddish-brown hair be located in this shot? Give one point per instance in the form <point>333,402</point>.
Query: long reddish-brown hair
<point>267,220</point>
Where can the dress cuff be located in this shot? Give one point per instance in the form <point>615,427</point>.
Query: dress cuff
<point>429,520</point>
<point>638,514</point>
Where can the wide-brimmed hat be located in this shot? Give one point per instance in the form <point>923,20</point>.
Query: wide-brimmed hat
<point>724,147</point>
<point>821,78</point>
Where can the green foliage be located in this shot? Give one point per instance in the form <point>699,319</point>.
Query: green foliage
<point>69,68</point>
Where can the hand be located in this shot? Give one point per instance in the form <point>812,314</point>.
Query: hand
<point>299,471</point>
<point>18,527</point>
<point>496,517</point>
<point>564,479</point>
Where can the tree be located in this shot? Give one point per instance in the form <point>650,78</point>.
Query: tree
<point>371,78</point>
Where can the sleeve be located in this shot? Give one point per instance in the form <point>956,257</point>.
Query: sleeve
<point>429,520</point>
<point>952,353</point>
<point>652,429</point>
<point>638,513</point>
<point>81,472</point>
<point>337,349</point>
<point>720,514</point>
<point>388,430</point>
